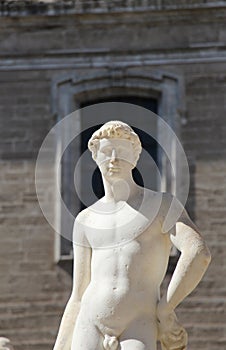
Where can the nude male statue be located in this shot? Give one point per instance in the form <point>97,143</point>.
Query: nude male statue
<point>121,254</point>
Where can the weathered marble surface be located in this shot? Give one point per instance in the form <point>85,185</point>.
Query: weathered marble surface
<point>121,254</point>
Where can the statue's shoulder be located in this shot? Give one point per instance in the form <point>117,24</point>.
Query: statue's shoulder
<point>80,228</point>
<point>171,211</point>
<point>152,203</point>
<point>161,206</point>
<point>155,198</point>
<point>167,201</point>
<point>88,214</point>
<point>83,216</point>
<point>151,195</point>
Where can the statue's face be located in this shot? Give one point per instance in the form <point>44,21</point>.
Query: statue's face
<point>115,157</point>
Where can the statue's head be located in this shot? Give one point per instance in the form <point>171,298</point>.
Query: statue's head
<point>116,130</point>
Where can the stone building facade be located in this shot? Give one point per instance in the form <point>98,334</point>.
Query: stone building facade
<point>56,56</point>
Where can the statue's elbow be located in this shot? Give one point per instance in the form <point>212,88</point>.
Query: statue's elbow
<point>208,257</point>
<point>205,256</point>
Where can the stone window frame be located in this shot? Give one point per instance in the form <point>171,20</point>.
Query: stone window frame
<point>70,90</point>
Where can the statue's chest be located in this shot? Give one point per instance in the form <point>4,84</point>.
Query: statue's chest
<point>118,227</point>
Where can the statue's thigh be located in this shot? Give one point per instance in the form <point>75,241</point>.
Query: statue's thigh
<point>86,337</point>
<point>141,334</point>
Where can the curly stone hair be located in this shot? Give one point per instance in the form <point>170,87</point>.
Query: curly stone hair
<point>115,129</point>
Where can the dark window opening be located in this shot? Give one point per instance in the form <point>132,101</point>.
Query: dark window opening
<point>148,143</point>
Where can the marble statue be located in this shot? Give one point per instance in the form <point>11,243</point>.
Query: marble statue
<point>121,254</point>
<point>5,344</point>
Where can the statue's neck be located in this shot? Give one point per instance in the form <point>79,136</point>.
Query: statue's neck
<point>120,189</point>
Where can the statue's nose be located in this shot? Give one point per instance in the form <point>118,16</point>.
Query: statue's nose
<point>113,155</point>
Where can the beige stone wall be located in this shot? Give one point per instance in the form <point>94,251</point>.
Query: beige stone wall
<point>35,51</point>
<point>204,141</point>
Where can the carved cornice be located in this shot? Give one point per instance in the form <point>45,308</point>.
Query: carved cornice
<point>55,7</point>
<point>85,59</point>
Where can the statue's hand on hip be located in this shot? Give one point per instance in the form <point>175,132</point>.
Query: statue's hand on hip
<point>171,333</point>
<point>110,342</point>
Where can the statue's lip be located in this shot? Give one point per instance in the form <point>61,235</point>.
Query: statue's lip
<point>114,168</point>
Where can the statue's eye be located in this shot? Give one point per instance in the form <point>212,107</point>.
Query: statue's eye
<point>107,151</point>
<point>121,150</point>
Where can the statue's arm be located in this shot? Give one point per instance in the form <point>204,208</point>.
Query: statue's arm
<point>81,279</point>
<point>192,264</point>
